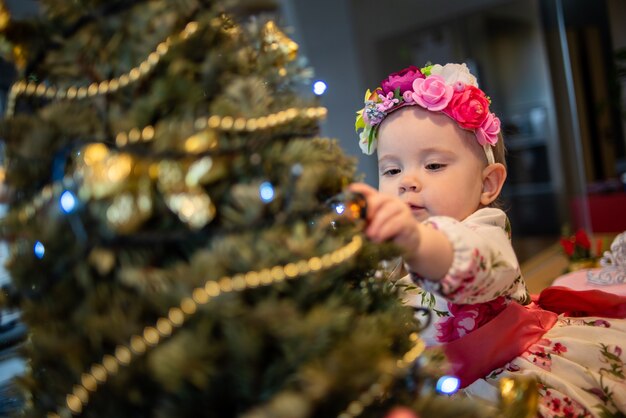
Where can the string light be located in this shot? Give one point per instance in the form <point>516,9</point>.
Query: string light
<point>39,250</point>
<point>67,201</point>
<point>319,87</point>
<point>140,344</point>
<point>448,385</point>
<point>266,191</point>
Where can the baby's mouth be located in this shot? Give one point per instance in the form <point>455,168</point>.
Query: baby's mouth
<point>416,208</point>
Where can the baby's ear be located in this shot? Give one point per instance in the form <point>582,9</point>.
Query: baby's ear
<point>493,180</point>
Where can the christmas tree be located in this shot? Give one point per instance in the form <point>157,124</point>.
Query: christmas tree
<point>180,243</point>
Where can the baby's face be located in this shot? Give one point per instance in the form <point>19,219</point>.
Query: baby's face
<point>430,163</point>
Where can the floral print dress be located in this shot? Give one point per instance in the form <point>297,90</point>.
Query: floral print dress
<point>579,362</point>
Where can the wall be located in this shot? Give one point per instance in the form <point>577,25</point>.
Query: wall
<point>323,29</point>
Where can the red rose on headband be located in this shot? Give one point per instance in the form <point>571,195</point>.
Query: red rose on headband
<point>403,79</point>
<point>468,107</point>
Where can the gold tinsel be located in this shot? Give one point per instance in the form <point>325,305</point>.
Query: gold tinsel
<point>5,16</point>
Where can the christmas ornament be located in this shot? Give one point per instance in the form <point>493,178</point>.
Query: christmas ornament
<point>102,259</point>
<point>519,397</point>
<point>348,206</point>
<point>5,16</point>
<point>102,173</point>
<point>194,207</point>
<point>276,40</point>
<point>129,210</point>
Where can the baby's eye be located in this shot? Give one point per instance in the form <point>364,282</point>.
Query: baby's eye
<point>391,172</point>
<point>435,166</point>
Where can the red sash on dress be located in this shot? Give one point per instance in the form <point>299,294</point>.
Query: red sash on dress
<point>517,327</point>
<point>576,303</point>
<point>497,342</point>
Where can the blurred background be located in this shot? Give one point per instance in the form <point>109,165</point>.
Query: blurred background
<point>555,69</point>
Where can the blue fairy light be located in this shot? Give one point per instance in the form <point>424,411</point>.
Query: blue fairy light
<point>39,249</point>
<point>266,191</point>
<point>319,87</point>
<point>297,169</point>
<point>340,208</point>
<point>67,201</point>
<point>448,385</point>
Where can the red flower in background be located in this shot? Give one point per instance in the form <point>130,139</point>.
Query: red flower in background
<point>568,246</point>
<point>582,239</point>
<point>578,246</point>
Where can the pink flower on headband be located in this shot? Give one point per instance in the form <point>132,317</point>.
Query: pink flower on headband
<point>388,101</point>
<point>407,96</point>
<point>432,92</point>
<point>469,107</point>
<point>402,79</point>
<point>489,130</point>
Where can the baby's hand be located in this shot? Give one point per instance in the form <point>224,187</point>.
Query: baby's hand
<point>391,219</point>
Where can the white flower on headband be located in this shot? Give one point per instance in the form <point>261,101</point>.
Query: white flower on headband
<point>367,147</point>
<point>453,73</point>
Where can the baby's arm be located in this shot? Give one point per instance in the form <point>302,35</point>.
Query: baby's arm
<point>426,251</point>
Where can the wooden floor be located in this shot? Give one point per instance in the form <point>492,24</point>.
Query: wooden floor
<point>540,270</point>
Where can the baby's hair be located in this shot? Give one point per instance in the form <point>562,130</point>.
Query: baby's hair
<point>499,151</point>
<point>499,156</point>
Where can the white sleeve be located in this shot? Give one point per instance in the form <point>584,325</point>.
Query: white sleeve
<point>484,264</point>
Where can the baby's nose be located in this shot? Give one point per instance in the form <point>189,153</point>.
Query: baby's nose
<point>410,183</point>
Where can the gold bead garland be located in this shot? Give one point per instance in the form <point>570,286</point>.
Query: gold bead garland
<point>151,336</point>
<point>376,390</point>
<point>148,133</point>
<point>104,87</point>
<point>227,123</point>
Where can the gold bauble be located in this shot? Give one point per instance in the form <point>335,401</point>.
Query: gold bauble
<point>275,39</point>
<point>171,176</point>
<point>5,16</point>
<point>194,207</point>
<point>128,211</point>
<point>102,259</point>
<point>103,173</point>
<point>19,55</point>
<point>201,142</point>
<point>519,397</point>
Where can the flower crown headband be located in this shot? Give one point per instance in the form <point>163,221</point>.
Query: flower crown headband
<point>450,89</point>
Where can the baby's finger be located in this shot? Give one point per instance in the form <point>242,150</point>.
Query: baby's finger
<point>396,229</point>
<point>379,205</point>
<point>387,212</point>
<point>365,189</point>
